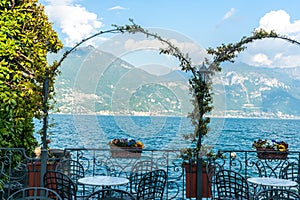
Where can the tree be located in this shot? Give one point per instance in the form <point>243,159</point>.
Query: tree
<point>26,36</point>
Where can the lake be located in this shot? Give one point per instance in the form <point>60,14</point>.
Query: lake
<point>92,131</point>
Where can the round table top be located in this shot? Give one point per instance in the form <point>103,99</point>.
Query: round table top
<point>275,182</point>
<point>103,180</point>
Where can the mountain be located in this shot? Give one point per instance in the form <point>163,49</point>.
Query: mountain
<point>92,81</point>
<point>257,91</point>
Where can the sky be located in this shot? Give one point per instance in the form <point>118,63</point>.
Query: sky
<point>198,23</point>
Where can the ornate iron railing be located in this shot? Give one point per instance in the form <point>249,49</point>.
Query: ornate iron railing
<point>17,168</point>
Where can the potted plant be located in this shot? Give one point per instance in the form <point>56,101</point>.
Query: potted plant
<point>189,156</point>
<point>125,148</point>
<point>200,88</point>
<point>273,149</point>
<point>34,167</point>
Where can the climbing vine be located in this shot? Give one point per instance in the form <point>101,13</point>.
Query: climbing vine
<point>26,36</point>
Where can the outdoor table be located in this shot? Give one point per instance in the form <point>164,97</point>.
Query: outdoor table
<point>105,181</point>
<point>271,182</point>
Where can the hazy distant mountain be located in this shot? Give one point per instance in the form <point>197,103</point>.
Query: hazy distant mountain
<point>94,81</point>
<point>260,91</point>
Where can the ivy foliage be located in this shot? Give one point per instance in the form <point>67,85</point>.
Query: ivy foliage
<point>26,36</point>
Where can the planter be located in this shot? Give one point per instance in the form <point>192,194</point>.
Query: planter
<point>34,174</point>
<point>266,153</point>
<point>191,181</point>
<point>125,152</point>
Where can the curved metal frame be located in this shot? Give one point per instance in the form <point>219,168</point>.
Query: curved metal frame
<point>113,194</point>
<point>61,183</point>
<point>231,184</point>
<point>277,194</point>
<point>152,185</point>
<point>35,193</point>
<point>138,171</point>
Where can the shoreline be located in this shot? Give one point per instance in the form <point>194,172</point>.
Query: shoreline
<point>157,115</point>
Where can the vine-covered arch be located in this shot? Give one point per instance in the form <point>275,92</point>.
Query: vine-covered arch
<point>200,81</point>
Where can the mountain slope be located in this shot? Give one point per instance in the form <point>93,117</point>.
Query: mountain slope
<point>93,81</point>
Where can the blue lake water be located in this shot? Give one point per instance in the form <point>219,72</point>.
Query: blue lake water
<point>91,131</point>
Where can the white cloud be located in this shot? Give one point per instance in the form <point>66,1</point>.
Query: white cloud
<point>275,52</point>
<point>229,13</point>
<point>280,22</point>
<point>261,59</point>
<point>74,20</point>
<point>117,8</point>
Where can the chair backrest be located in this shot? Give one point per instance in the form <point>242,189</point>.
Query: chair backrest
<point>152,185</point>
<point>138,171</point>
<point>277,194</point>
<point>34,193</point>
<point>61,183</point>
<point>231,184</point>
<point>72,168</point>
<point>111,194</point>
<point>291,172</point>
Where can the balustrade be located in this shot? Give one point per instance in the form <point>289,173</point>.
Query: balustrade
<point>15,171</point>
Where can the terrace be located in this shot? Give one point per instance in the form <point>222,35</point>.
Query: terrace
<point>21,171</point>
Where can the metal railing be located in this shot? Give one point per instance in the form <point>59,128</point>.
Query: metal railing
<point>18,168</point>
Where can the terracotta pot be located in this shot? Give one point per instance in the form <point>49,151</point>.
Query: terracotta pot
<point>125,152</point>
<point>191,181</point>
<point>34,173</point>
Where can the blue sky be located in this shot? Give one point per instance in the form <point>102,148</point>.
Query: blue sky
<point>205,23</point>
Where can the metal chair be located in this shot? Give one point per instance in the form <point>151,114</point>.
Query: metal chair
<point>61,183</point>
<point>277,194</point>
<point>291,172</point>
<point>15,178</point>
<point>111,194</point>
<point>152,185</point>
<point>231,185</point>
<point>212,168</point>
<point>138,171</point>
<point>35,193</point>
<point>74,170</point>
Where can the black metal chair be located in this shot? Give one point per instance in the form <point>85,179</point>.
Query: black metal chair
<point>212,168</point>
<point>111,194</point>
<point>61,183</point>
<point>35,193</point>
<point>138,171</point>
<point>231,185</point>
<point>74,170</point>
<point>15,178</point>
<point>277,194</point>
<point>152,185</point>
<point>291,172</point>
